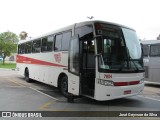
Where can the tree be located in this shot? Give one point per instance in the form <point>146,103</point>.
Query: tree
<point>8,44</point>
<point>23,35</point>
<point>158,38</point>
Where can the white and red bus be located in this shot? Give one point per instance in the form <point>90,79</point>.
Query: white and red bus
<point>96,59</point>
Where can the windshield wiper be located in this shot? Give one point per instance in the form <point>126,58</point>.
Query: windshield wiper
<point>135,65</point>
<point>124,63</point>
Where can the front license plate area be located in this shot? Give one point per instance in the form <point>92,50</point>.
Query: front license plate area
<point>127,92</point>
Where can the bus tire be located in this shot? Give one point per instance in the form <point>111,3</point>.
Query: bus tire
<point>64,86</point>
<point>26,75</point>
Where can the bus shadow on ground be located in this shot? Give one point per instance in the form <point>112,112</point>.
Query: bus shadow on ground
<point>44,88</point>
<point>116,102</point>
<point>152,85</point>
<point>54,92</point>
<point>123,104</point>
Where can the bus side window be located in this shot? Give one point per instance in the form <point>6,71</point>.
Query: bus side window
<point>28,47</point>
<point>65,40</point>
<point>36,46</point>
<point>155,50</point>
<point>49,43</point>
<point>44,44</point>
<point>19,49</point>
<point>145,50</point>
<point>22,51</point>
<point>58,42</point>
<point>85,32</point>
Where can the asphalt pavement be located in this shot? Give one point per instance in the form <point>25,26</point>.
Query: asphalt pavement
<point>18,95</point>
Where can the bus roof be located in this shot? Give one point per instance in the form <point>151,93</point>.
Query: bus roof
<point>150,42</point>
<point>72,26</point>
<point>106,22</point>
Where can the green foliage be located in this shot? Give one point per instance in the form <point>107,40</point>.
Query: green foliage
<point>8,44</point>
<point>8,65</point>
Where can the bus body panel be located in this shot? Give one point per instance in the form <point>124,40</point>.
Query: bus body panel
<point>43,66</point>
<point>41,73</point>
<point>73,84</point>
<point>155,69</point>
<point>151,61</point>
<point>121,77</point>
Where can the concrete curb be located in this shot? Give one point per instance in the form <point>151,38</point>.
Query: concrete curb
<point>14,69</point>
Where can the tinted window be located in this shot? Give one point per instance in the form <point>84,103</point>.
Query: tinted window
<point>47,43</point>
<point>145,50</point>
<point>155,50</point>
<point>19,49</point>
<point>65,40</point>
<point>44,44</point>
<point>22,48</point>
<point>36,46</point>
<point>28,47</point>
<point>58,41</point>
<point>50,43</point>
<point>85,32</point>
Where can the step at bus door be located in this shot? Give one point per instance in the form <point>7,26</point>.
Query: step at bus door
<point>73,66</point>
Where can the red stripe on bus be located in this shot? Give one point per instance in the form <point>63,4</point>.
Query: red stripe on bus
<point>27,60</point>
<point>126,83</point>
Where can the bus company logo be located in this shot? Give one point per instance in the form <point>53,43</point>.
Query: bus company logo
<point>57,57</point>
<point>107,76</point>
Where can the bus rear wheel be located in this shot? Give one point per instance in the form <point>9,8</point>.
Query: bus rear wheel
<point>26,74</point>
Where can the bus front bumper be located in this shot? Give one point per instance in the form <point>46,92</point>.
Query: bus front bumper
<point>103,93</point>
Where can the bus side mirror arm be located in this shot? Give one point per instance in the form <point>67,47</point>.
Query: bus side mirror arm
<point>98,54</point>
<point>101,57</point>
<point>97,36</point>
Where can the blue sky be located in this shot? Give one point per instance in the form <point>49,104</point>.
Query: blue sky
<point>40,16</point>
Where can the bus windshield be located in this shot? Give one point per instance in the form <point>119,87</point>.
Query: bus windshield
<point>118,50</point>
<point>132,43</point>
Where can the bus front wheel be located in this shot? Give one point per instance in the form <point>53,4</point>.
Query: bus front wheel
<point>64,86</point>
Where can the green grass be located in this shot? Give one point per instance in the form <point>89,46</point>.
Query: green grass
<point>8,65</point>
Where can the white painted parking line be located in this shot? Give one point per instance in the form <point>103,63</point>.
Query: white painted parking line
<point>149,98</point>
<point>43,93</point>
<point>20,85</point>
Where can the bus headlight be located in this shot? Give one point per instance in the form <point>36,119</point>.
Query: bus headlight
<point>105,82</point>
<point>141,81</point>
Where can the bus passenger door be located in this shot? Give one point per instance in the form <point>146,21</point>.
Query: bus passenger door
<point>74,71</point>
